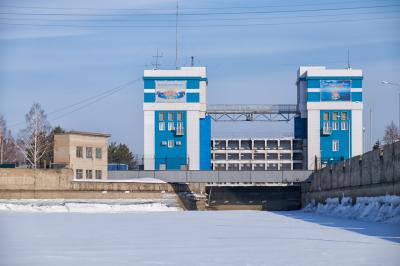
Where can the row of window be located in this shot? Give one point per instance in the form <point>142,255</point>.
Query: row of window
<point>258,156</point>
<point>89,152</point>
<point>335,116</point>
<point>171,143</point>
<point>170,116</point>
<point>171,126</point>
<point>335,125</point>
<point>88,174</point>
<point>257,166</point>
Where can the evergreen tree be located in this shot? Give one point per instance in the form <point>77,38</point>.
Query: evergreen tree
<point>120,153</point>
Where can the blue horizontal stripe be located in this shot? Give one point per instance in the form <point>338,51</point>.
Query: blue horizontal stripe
<point>334,78</point>
<point>193,97</point>
<point>313,97</point>
<point>356,96</point>
<point>149,97</point>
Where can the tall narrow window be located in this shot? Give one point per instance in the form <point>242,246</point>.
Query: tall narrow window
<point>89,152</point>
<point>161,126</point>
<point>335,115</point>
<point>161,116</point>
<point>179,116</point>
<point>98,174</point>
<point>326,116</point>
<point>78,173</point>
<point>170,116</point>
<point>344,115</point>
<point>98,153</point>
<point>170,143</point>
<point>345,125</point>
<point>335,145</point>
<point>89,174</point>
<point>79,152</point>
<point>335,125</point>
<point>171,126</point>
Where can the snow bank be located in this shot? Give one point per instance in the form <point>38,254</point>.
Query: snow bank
<point>377,209</point>
<point>89,206</point>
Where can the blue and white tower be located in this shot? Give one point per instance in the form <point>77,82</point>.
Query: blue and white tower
<point>177,132</point>
<point>331,108</point>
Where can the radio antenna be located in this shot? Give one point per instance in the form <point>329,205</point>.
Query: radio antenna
<point>176,35</point>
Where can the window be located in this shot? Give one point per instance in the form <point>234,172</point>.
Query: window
<point>98,153</point>
<point>98,174</point>
<point>179,116</point>
<point>161,126</point>
<point>327,125</point>
<point>326,116</point>
<point>345,125</point>
<point>170,116</point>
<point>89,152</point>
<point>170,143</point>
<point>335,145</point>
<point>335,115</point>
<point>78,174</point>
<point>344,115</point>
<point>335,125</point>
<point>171,126</point>
<point>89,174</point>
<point>164,143</point>
<point>161,116</point>
<point>79,152</point>
<point>178,143</point>
<point>179,128</point>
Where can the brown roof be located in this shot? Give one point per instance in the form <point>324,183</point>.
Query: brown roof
<point>86,134</point>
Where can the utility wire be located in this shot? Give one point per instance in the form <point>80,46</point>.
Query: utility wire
<point>188,8</point>
<point>87,102</point>
<point>203,13</point>
<point>196,20</point>
<point>194,26</point>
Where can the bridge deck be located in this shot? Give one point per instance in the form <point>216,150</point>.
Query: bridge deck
<point>252,112</point>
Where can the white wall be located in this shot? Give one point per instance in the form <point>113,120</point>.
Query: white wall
<point>357,132</point>
<point>193,139</point>
<point>148,140</point>
<point>313,138</point>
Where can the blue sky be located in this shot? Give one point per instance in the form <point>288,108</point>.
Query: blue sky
<point>251,57</point>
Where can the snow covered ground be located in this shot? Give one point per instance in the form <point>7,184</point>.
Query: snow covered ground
<point>89,206</point>
<point>194,238</point>
<point>377,209</point>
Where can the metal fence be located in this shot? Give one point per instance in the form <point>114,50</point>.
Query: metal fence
<point>215,176</point>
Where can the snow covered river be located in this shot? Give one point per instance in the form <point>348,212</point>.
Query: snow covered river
<point>194,238</point>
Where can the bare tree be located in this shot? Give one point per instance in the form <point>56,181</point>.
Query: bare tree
<point>392,134</point>
<point>33,140</point>
<point>3,130</point>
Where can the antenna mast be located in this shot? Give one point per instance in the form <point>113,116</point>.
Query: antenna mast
<point>156,65</point>
<point>348,58</point>
<point>176,35</point>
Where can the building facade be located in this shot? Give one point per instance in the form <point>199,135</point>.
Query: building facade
<point>330,105</point>
<point>177,132</point>
<point>83,152</point>
<point>252,154</point>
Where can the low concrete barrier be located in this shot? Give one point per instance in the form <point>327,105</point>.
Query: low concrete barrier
<point>295,176</point>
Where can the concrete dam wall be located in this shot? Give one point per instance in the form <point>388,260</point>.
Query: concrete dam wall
<point>374,173</point>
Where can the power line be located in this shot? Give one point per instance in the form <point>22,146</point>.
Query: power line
<point>203,13</point>
<point>208,19</point>
<point>87,102</point>
<point>188,8</point>
<point>193,26</point>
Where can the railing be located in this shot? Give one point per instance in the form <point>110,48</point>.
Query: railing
<point>290,176</point>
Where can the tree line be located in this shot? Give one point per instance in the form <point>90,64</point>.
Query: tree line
<point>33,146</point>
